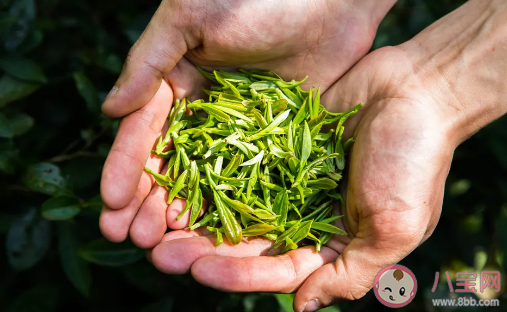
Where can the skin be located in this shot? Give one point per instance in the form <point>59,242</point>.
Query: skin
<point>213,34</point>
<point>422,99</point>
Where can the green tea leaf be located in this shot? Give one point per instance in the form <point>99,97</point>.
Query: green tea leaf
<point>328,228</point>
<point>306,145</point>
<point>253,161</point>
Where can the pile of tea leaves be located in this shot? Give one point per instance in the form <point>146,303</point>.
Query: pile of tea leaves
<point>260,159</point>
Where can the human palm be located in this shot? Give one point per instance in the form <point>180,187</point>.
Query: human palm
<point>394,191</point>
<point>294,39</point>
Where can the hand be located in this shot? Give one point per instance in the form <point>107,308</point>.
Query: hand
<point>398,167</point>
<point>418,110</point>
<point>321,39</point>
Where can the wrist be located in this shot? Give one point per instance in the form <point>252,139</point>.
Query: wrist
<point>461,62</point>
<point>372,12</point>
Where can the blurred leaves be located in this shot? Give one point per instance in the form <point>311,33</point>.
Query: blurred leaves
<point>61,208</point>
<point>23,69</point>
<point>165,305</point>
<point>41,298</point>
<point>44,178</point>
<point>12,89</point>
<point>105,253</point>
<point>76,269</point>
<point>87,92</point>
<point>27,240</point>
<point>21,16</point>
<point>6,130</point>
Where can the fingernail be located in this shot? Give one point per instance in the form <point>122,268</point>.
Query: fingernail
<point>311,306</point>
<point>112,92</point>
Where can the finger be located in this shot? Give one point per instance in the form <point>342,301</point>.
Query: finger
<point>174,210</point>
<point>178,234</point>
<point>156,52</point>
<point>115,223</point>
<point>282,273</point>
<point>177,256</point>
<point>149,224</point>
<point>353,273</point>
<point>131,148</point>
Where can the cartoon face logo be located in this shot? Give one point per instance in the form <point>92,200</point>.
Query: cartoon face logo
<point>395,286</point>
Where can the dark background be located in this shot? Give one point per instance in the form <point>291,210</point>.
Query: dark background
<point>58,59</point>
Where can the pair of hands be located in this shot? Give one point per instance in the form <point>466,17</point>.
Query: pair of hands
<point>397,169</point>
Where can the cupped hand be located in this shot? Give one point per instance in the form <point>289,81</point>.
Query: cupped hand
<point>321,39</point>
<point>394,191</point>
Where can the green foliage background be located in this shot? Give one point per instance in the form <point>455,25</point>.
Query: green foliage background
<point>57,61</point>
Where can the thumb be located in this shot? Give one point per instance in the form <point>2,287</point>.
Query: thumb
<point>154,54</point>
<point>353,273</point>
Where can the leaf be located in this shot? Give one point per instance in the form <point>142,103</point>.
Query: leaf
<point>12,89</point>
<point>253,161</point>
<point>229,222</point>
<point>105,253</point>
<point>323,183</point>
<point>8,161</point>
<point>88,92</point>
<point>263,85</point>
<point>281,206</point>
<point>75,268</point>
<point>285,301</point>
<point>23,12</point>
<point>6,130</point>
<point>178,186</point>
<point>328,228</point>
<point>163,305</point>
<point>258,229</point>
<point>278,120</point>
<point>40,298</point>
<point>61,208</point>
<point>20,123</point>
<point>306,145</point>
<point>162,180</point>
<point>213,111</point>
<point>330,309</point>
<point>23,69</point>
<point>44,178</point>
<point>27,240</point>
<point>196,205</point>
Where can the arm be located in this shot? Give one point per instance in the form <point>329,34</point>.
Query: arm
<point>462,61</point>
<point>422,99</point>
